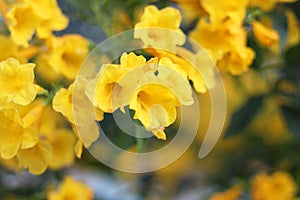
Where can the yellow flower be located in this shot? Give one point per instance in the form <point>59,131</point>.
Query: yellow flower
<point>100,89</point>
<point>155,106</point>
<point>63,144</point>
<point>62,102</point>
<point>14,135</point>
<point>277,186</point>
<point>264,35</point>
<point>21,88</point>
<point>154,103</point>
<point>227,45</point>
<point>191,9</point>
<point>231,194</point>
<point>36,158</point>
<point>219,11</point>
<point>63,56</point>
<point>201,60</point>
<point>25,17</point>
<point>54,129</point>
<point>169,19</point>
<point>71,189</point>
<point>293,36</point>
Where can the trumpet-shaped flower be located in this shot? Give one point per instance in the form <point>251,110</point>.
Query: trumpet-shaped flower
<point>199,67</point>
<point>63,103</point>
<point>25,17</point>
<point>277,186</point>
<point>36,158</point>
<point>227,45</point>
<point>167,33</point>
<point>17,82</point>
<point>219,11</point>
<point>63,56</point>
<point>264,35</point>
<point>63,144</point>
<point>153,89</point>
<point>100,89</point>
<point>13,135</point>
<point>71,189</point>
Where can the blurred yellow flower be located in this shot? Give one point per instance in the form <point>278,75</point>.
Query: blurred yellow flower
<point>277,186</point>
<point>191,9</point>
<point>13,135</point>
<point>62,57</point>
<point>71,189</point>
<point>25,17</point>
<point>293,36</point>
<point>63,144</point>
<point>169,19</point>
<point>264,35</point>
<point>54,129</point>
<point>21,88</point>
<point>233,193</point>
<point>219,11</point>
<point>36,158</point>
<point>227,45</point>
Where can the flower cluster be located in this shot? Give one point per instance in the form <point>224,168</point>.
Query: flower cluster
<point>33,136</point>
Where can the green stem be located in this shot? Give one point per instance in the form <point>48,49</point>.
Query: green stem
<point>140,142</point>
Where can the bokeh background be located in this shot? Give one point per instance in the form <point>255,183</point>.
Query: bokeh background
<point>257,156</point>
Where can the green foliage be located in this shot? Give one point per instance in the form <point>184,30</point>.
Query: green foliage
<point>242,117</point>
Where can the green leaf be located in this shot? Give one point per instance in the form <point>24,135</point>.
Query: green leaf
<point>279,23</point>
<point>292,119</point>
<point>241,118</point>
<point>292,68</point>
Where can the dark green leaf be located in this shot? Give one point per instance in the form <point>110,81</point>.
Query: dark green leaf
<point>292,67</point>
<point>279,23</point>
<point>292,119</point>
<point>241,118</point>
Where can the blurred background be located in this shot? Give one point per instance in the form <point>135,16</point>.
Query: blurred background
<point>257,156</point>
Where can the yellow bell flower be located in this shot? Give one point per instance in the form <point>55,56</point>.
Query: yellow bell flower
<point>227,45</point>
<point>116,86</point>
<point>155,106</point>
<point>167,18</point>
<point>63,57</point>
<point>62,102</point>
<point>219,11</point>
<point>63,144</point>
<point>265,36</point>
<point>71,189</point>
<point>277,186</point>
<point>54,129</point>
<point>36,158</point>
<point>13,135</point>
<point>100,89</point>
<point>25,17</point>
<point>21,88</point>
<point>200,60</point>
